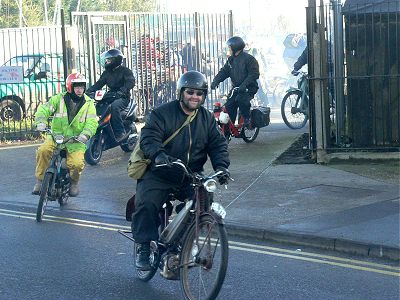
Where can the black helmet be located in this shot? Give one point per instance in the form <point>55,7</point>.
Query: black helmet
<point>112,58</point>
<point>191,79</point>
<point>236,43</point>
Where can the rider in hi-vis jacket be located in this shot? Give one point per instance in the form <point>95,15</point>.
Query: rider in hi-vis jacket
<point>74,114</point>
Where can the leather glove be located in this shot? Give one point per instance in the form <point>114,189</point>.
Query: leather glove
<point>295,72</point>
<point>224,177</point>
<point>242,89</point>
<point>163,158</point>
<point>41,127</point>
<point>82,138</point>
<point>214,85</point>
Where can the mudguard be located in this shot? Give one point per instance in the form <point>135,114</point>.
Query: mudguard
<point>292,89</point>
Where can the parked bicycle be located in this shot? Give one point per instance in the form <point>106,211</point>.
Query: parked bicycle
<point>259,117</point>
<point>193,247</point>
<point>294,107</point>
<point>56,181</point>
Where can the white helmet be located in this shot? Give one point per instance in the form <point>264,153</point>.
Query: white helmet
<point>223,118</point>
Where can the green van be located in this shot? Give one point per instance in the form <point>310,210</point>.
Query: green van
<point>43,76</point>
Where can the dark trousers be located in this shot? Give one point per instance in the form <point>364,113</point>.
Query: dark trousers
<point>151,193</point>
<point>116,120</point>
<point>241,101</point>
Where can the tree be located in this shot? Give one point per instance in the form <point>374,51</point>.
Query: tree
<point>9,11</point>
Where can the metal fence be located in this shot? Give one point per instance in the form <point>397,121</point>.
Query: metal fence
<point>157,47</point>
<point>358,74</point>
<point>33,71</point>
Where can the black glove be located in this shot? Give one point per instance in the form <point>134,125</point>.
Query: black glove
<point>163,158</point>
<point>242,89</point>
<point>295,72</point>
<point>214,85</point>
<point>224,177</point>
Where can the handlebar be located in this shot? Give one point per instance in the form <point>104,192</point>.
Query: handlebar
<point>234,90</point>
<point>196,176</point>
<point>59,138</point>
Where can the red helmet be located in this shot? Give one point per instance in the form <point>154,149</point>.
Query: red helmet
<point>72,79</point>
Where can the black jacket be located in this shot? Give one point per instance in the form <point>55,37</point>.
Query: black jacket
<point>243,71</point>
<point>193,143</point>
<point>120,79</point>
<point>302,60</point>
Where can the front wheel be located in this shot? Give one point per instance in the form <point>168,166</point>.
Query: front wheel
<point>94,150</point>
<point>249,134</point>
<point>291,112</point>
<point>204,260</point>
<point>44,196</point>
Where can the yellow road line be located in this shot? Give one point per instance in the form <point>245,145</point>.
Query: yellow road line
<point>302,253</point>
<point>317,261</point>
<point>77,222</point>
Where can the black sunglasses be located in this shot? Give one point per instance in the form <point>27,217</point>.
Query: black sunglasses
<point>191,92</point>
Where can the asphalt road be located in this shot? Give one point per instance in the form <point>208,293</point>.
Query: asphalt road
<point>76,252</point>
<point>79,256</point>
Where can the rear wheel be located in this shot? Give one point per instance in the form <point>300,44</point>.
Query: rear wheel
<point>94,150</point>
<point>249,134</point>
<point>10,110</point>
<point>291,112</point>
<point>204,260</point>
<point>154,262</point>
<point>44,196</point>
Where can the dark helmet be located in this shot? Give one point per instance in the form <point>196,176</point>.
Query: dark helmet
<point>112,58</point>
<point>194,80</point>
<point>236,43</point>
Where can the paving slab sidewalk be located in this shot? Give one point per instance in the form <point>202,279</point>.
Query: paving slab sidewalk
<point>321,206</point>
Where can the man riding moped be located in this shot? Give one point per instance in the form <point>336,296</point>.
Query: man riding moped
<point>74,114</point>
<point>196,141</point>
<point>243,70</point>
<point>120,80</point>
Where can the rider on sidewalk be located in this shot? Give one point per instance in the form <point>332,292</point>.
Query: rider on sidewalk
<point>244,71</point>
<point>74,114</point>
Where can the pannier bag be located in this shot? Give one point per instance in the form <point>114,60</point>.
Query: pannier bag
<point>260,116</point>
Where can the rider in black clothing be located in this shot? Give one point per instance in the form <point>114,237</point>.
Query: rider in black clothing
<point>244,71</point>
<point>198,140</point>
<point>120,81</point>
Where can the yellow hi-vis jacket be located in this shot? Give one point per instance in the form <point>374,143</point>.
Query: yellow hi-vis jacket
<point>85,121</point>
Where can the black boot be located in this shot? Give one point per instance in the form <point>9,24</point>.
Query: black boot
<point>143,257</point>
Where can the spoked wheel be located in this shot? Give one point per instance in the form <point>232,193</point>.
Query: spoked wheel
<point>63,199</point>
<point>94,150</point>
<point>44,196</point>
<point>249,134</point>
<point>204,260</point>
<point>292,115</point>
<point>154,262</point>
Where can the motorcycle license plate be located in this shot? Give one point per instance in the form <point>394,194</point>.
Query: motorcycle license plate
<point>218,209</point>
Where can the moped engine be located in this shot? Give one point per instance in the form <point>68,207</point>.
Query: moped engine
<point>170,266</point>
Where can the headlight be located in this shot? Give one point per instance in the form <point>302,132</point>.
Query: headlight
<point>59,139</point>
<point>210,185</point>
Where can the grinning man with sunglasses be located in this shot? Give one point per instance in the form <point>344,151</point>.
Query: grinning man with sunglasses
<point>194,142</point>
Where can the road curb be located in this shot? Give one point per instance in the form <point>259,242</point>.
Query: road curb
<point>333,244</point>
